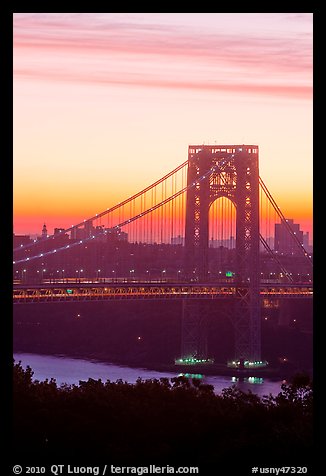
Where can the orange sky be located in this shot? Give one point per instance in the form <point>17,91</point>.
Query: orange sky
<point>105,104</point>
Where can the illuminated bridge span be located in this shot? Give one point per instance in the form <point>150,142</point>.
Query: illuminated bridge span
<point>215,199</point>
<point>99,292</point>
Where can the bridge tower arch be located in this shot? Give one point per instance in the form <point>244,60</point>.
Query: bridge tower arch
<point>230,171</point>
<point>221,218</point>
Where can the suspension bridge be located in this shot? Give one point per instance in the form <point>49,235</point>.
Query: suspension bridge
<point>214,201</point>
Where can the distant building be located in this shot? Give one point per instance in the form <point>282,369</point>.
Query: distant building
<point>21,240</point>
<point>78,234</point>
<point>306,242</point>
<point>44,232</point>
<point>177,240</point>
<point>270,243</point>
<point>57,231</point>
<point>284,242</point>
<point>89,229</point>
<point>116,234</point>
<point>61,238</point>
<point>227,243</point>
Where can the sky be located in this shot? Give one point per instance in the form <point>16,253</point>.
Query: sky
<point>104,104</point>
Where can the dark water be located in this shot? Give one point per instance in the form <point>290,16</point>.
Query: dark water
<point>71,371</point>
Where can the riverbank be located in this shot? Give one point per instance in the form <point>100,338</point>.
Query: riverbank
<point>224,370</point>
<point>142,334</point>
<point>284,372</point>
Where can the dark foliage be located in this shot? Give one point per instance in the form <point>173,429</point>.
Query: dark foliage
<point>165,421</point>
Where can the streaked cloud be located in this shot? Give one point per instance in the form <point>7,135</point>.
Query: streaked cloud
<point>304,92</point>
<point>135,50</point>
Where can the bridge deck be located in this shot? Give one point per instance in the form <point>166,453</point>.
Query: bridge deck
<point>163,291</point>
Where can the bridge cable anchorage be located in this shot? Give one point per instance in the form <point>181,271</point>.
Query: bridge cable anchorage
<point>123,223</point>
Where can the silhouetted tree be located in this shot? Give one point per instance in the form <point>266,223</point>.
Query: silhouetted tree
<point>176,421</point>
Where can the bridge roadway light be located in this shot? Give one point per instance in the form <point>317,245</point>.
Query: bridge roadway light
<point>60,271</point>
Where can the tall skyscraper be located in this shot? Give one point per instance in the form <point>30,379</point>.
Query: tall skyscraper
<point>284,243</point>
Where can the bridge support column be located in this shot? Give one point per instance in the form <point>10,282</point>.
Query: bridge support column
<point>194,333</point>
<point>246,322</point>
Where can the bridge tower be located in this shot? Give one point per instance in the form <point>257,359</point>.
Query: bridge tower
<point>230,171</point>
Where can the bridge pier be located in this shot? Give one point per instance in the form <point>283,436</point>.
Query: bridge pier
<point>194,332</point>
<point>247,325</point>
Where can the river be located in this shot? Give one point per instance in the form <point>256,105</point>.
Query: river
<point>70,371</point>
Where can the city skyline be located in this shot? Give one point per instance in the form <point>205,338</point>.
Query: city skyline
<point>177,239</point>
<point>105,104</point>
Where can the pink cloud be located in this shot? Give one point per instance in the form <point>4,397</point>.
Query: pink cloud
<point>303,92</point>
<point>217,60</point>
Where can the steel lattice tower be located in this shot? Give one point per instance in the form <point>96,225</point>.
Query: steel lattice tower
<point>229,171</point>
